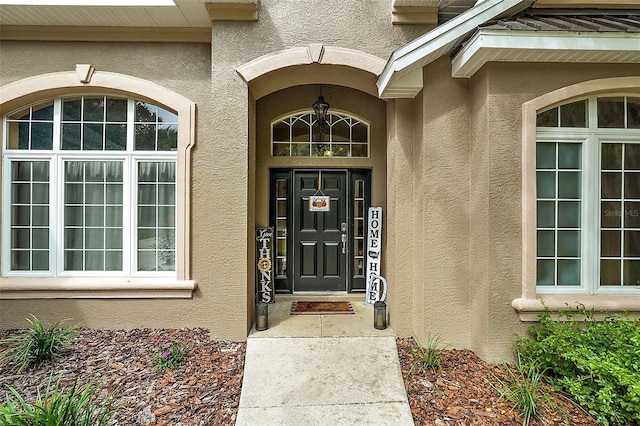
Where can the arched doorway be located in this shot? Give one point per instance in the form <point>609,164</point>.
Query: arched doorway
<point>318,251</point>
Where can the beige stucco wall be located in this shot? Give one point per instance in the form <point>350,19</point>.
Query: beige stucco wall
<point>442,183</point>
<point>467,195</point>
<point>363,26</point>
<point>224,172</point>
<point>184,69</point>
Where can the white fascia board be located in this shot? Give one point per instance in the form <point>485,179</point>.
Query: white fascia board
<point>432,45</point>
<point>509,46</point>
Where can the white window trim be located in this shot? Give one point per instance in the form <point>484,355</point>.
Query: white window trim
<point>590,220</point>
<point>33,89</point>
<point>530,304</point>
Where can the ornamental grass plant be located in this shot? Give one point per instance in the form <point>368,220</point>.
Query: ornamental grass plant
<point>75,406</point>
<point>526,390</point>
<point>37,344</point>
<point>427,356</point>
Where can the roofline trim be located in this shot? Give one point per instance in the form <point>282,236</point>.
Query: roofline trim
<point>410,58</point>
<point>494,45</point>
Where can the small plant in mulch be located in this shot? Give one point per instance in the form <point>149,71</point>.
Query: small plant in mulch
<point>170,354</point>
<point>427,356</point>
<point>74,406</point>
<point>37,344</point>
<point>527,391</point>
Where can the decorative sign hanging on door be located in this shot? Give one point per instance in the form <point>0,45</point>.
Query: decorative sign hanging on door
<point>319,202</point>
<point>264,274</point>
<point>376,284</point>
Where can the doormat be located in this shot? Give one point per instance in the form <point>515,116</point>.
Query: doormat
<point>321,308</point>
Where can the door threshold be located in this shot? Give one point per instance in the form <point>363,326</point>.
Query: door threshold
<point>321,295</point>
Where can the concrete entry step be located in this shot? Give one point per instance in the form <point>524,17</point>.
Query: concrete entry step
<point>323,381</point>
<point>283,324</point>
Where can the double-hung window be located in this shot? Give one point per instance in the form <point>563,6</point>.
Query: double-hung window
<point>90,189</point>
<point>588,196</point>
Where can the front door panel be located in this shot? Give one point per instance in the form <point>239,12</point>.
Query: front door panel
<point>320,261</point>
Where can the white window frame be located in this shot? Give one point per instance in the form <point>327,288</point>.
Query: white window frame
<point>130,158</point>
<point>530,303</point>
<point>591,140</point>
<point>47,86</point>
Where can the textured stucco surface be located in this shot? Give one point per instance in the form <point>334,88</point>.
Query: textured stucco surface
<point>182,68</point>
<point>464,165</point>
<point>444,209</point>
<point>399,249</point>
<point>496,94</point>
<point>446,168</point>
<point>224,181</point>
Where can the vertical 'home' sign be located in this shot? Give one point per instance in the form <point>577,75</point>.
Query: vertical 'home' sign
<point>374,248</point>
<point>264,274</point>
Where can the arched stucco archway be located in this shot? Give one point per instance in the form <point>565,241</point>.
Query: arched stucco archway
<point>312,64</point>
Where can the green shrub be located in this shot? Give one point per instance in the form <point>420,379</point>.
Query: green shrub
<point>596,362</point>
<point>72,407</point>
<point>37,344</point>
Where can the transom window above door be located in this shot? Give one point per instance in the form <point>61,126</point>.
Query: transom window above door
<point>298,135</point>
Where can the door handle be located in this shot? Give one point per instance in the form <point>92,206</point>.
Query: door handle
<point>343,237</point>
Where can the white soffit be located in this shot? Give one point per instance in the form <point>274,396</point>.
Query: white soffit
<point>402,76</point>
<point>183,14</point>
<point>548,46</point>
<point>89,2</point>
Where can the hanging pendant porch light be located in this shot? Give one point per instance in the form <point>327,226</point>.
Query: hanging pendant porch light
<point>320,110</point>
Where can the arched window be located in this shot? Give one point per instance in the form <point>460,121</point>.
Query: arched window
<point>588,196</point>
<point>90,184</point>
<point>298,135</point>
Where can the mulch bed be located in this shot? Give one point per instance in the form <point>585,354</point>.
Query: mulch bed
<point>206,390</point>
<point>464,391</point>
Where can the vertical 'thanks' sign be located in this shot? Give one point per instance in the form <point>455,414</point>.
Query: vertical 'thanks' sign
<point>264,277</point>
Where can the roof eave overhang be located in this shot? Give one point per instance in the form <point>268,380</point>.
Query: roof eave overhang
<point>550,47</point>
<point>402,75</point>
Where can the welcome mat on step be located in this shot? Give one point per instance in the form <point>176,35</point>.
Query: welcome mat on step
<point>321,308</point>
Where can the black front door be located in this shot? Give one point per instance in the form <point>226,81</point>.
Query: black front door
<point>320,237</point>
<point>310,254</point>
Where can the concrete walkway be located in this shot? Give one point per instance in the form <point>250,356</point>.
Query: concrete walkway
<point>354,379</point>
